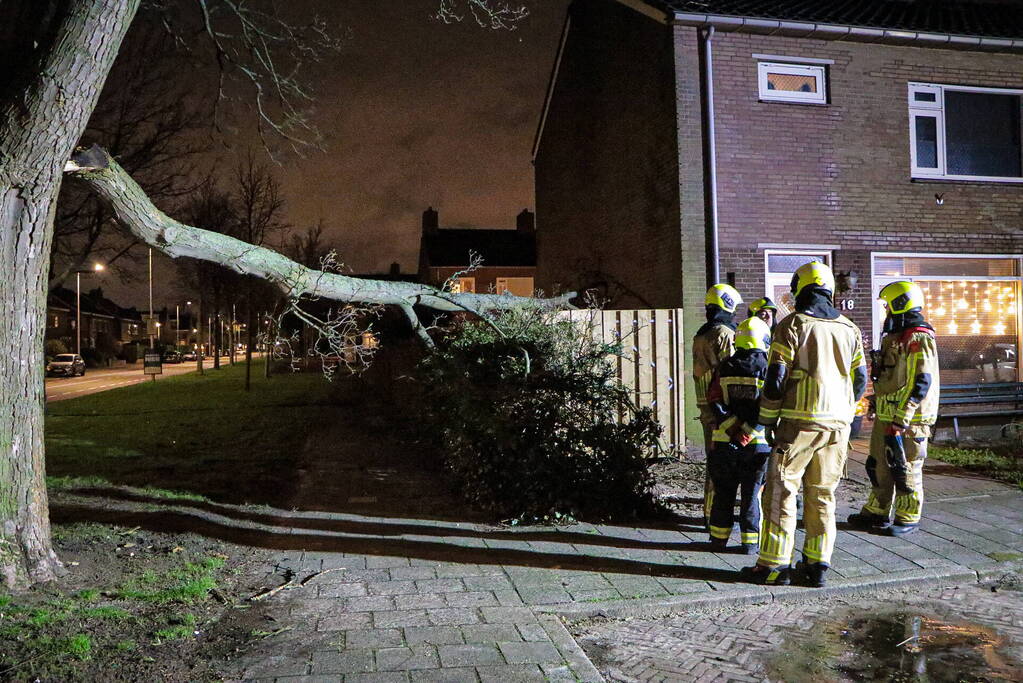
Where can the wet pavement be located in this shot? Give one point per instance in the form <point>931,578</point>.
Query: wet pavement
<point>970,633</point>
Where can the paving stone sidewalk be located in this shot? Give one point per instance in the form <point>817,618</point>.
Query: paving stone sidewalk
<point>434,600</point>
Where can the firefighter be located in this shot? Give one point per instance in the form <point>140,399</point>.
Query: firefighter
<point>765,310</point>
<point>739,459</point>
<point>816,374</point>
<point>906,391</point>
<point>713,344</point>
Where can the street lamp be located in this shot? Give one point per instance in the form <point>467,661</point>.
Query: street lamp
<point>97,267</point>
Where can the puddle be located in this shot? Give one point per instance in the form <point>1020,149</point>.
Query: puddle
<point>907,646</point>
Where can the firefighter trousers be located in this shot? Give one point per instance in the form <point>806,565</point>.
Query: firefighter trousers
<point>736,470</point>
<point>816,459</point>
<point>897,484</point>
<point>709,423</point>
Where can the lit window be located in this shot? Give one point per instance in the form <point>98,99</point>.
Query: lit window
<point>973,304</point>
<point>464,285</point>
<point>799,83</point>
<point>519,286</point>
<point>962,133</point>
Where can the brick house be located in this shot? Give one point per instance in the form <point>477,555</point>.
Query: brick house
<point>679,147</point>
<point>508,256</point>
<point>103,321</point>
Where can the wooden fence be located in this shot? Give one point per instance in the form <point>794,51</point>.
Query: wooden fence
<point>651,362</point>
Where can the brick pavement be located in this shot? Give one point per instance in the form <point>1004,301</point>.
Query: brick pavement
<point>425,599</point>
<point>768,641</point>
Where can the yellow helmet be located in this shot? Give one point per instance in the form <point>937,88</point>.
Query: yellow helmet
<point>762,304</point>
<point>902,296</point>
<point>813,273</point>
<point>725,296</point>
<point>753,333</point>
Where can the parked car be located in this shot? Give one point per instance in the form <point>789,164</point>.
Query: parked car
<point>66,365</point>
<point>171,357</point>
<point>189,355</point>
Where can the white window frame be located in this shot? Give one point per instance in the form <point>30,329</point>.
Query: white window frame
<point>877,281</point>
<point>772,280</point>
<point>818,72</point>
<point>936,110</point>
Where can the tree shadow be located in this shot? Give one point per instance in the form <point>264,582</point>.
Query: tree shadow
<point>181,521</point>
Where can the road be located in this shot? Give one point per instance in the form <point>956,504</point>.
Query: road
<point>94,381</point>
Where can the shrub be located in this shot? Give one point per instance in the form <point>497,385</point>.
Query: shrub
<point>533,423</point>
<point>55,347</point>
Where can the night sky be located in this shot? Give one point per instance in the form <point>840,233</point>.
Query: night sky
<point>414,113</point>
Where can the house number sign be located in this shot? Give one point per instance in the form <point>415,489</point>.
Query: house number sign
<point>847,304</point>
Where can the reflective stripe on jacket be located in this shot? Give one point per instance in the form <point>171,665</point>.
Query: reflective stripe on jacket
<point>905,355</point>
<point>709,349</point>
<point>821,356</point>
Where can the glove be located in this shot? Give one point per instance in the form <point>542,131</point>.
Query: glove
<point>895,454</point>
<point>738,435</point>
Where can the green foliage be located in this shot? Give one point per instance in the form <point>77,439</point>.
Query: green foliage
<point>1004,463</point>
<point>189,584</point>
<point>79,646</point>
<point>55,347</point>
<point>533,423</point>
<point>181,626</point>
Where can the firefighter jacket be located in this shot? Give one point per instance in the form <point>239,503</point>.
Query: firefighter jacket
<point>734,394</point>
<point>820,360</point>
<point>906,385</point>
<point>714,342</point>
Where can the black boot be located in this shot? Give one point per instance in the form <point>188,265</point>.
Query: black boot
<point>718,544</point>
<point>767,576</point>
<point>814,573</point>
<point>868,522</point>
<point>900,529</point>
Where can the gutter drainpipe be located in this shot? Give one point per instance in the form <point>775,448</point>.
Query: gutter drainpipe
<point>713,252</point>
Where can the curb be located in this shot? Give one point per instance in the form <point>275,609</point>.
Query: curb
<point>653,608</point>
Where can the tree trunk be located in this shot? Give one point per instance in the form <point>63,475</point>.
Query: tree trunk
<point>248,338</point>
<point>42,116</point>
<point>216,338</point>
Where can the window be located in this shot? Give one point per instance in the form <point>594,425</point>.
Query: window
<point>519,286</point>
<point>464,285</point>
<point>779,268</point>
<point>973,302</point>
<point>962,133</point>
<point>799,83</point>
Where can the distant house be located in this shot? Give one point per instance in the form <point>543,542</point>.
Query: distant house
<point>103,321</point>
<point>508,257</point>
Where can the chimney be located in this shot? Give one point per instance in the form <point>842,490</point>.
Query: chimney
<point>430,221</point>
<point>395,268</point>
<point>525,221</point>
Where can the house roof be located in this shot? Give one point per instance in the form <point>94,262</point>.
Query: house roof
<point>451,247</point>
<point>93,302</point>
<point>979,18</point>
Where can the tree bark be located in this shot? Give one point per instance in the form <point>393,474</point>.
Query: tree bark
<point>41,118</point>
<point>136,212</point>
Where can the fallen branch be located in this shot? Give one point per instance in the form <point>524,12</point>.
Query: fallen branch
<point>290,584</point>
<point>134,210</point>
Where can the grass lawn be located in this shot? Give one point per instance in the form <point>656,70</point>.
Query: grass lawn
<point>200,434</point>
<point>1003,463</point>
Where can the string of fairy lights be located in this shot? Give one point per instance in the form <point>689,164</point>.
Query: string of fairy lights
<point>971,307</point>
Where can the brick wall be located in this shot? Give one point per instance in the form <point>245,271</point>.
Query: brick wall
<point>607,164</point>
<point>840,174</point>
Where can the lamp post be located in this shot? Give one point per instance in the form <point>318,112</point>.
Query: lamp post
<point>78,304</point>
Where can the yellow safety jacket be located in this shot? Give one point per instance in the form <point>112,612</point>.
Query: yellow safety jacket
<point>734,390</point>
<point>821,357</point>
<point>709,349</point>
<point>905,355</point>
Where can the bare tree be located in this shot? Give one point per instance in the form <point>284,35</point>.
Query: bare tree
<point>145,117</point>
<point>57,55</point>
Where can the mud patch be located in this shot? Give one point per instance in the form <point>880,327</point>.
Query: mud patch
<point>898,645</point>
